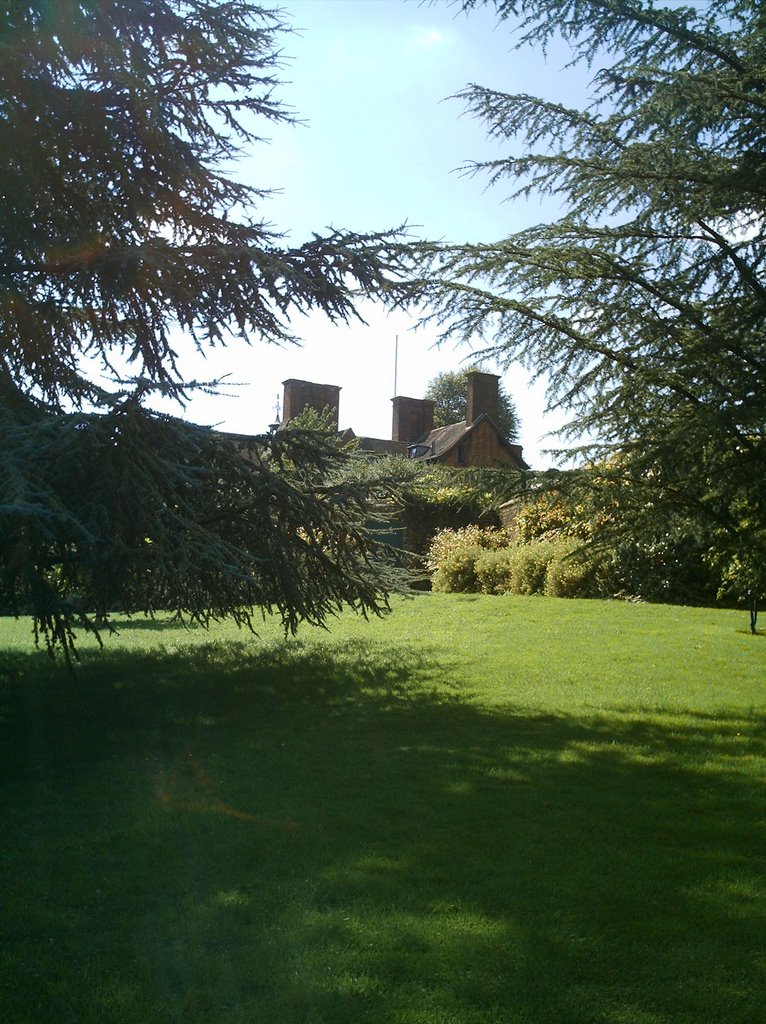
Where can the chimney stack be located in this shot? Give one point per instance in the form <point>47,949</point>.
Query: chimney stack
<point>413,419</point>
<point>304,394</point>
<point>482,396</point>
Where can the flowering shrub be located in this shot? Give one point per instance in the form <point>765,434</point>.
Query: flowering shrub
<point>529,566</point>
<point>493,570</point>
<point>453,554</point>
<point>446,541</point>
<point>487,561</point>
<point>550,517</point>
<point>457,572</point>
<point>573,571</point>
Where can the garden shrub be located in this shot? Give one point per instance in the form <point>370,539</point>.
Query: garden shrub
<point>544,518</point>
<point>456,573</point>
<point>651,558</point>
<point>446,541</point>
<point>574,571</point>
<point>529,564</point>
<point>673,568</point>
<point>453,553</point>
<point>477,560</point>
<point>493,570</point>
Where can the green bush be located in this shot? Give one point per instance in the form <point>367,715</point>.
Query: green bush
<point>486,560</point>
<point>456,573</point>
<point>453,554</point>
<point>573,571</point>
<point>476,560</point>
<point>529,564</point>
<point>443,498</point>
<point>493,570</point>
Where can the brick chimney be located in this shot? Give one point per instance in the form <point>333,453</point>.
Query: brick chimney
<point>304,394</point>
<point>482,395</point>
<point>413,419</point>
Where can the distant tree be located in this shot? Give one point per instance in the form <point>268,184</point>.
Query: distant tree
<point>447,390</point>
<point>645,303</point>
<point>120,223</point>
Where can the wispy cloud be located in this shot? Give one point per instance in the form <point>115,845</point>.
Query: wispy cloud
<point>424,39</point>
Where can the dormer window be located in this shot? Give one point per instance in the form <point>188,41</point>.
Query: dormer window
<point>417,451</point>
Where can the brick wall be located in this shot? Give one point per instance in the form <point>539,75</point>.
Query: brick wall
<point>413,418</point>
<point>480,448</point>
<point>305,394</point>
<point>481,395</point>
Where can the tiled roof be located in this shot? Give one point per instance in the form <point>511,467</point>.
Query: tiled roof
<point>443,439</point>
<point>379,444</point>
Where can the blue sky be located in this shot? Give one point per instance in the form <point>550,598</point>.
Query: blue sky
<point>382,145</point>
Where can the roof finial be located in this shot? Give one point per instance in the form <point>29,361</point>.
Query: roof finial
<point>274,427</point>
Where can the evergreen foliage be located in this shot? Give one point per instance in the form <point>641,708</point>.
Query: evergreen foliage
<point>644,304</point>
<point>118,121</point>
<point>137,511</point>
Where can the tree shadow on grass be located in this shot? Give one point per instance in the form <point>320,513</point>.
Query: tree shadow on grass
<point>333,832</point>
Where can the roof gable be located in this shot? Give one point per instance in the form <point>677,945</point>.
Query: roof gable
<point>441,440</point>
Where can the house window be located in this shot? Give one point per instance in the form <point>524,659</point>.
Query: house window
<point>462,454</point>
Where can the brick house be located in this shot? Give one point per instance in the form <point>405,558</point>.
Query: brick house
<point>475,441</point>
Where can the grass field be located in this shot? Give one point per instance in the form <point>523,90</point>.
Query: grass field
<point>476,811</point>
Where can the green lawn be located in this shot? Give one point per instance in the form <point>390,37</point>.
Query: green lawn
<point>478,810</point>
